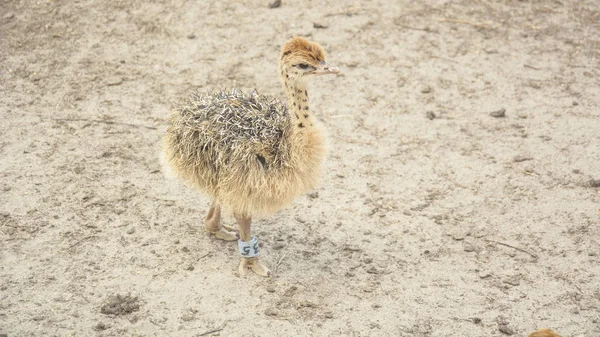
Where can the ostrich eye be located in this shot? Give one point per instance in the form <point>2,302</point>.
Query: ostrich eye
<point>303,66</point>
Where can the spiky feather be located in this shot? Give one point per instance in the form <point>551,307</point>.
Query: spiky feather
<point>238,148</point>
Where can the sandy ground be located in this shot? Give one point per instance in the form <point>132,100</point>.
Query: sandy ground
<point>460,225</point>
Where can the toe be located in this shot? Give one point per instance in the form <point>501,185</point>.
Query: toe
<point>243,267</point>
<point>260,269</point>
<point>225,235</point>
<point>228,228</point>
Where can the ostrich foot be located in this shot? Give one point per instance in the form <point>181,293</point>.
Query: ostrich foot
<point>254,264</point>
<point>224,233</point>
<point>212,224</point>
<point>229,228</point>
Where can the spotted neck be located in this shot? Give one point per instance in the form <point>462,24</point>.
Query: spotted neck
<point>297,102</point>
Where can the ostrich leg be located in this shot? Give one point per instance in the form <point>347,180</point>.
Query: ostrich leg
<point>212,224</point>
<point>248,246</point>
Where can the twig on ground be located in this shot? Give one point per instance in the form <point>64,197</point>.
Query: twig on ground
<point>475,24</point>
<point>80,241</point>
<point>102,121</point>
<point>443,58</point>
<point>415,28</point>
<point>513,247</point>
<point>531,67</point>
<point>209,332</point>
<point>352,141</point>
<point>84,298</point>
<point>348,12</point>
<point>530,173</point>
<point>280,260</point>
<point>153,322</point>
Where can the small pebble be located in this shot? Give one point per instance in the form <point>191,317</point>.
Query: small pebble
<point>190,267</point>
<point>372,270</point>
<point>519,159</point>
<point>187,317</point>
<point>191,36</point>
<point>485,274</point>
<point>355,265</point>
<point>271,312</point>
<point>469,248</point>
<point>319,26</point>
<point>306,304</point>
<point>595,182</point>
<point>575,103</point>
<point>374,325</point>
<point>131,230</point>
<point>271,289</point>
<point>115,80</point>
<point>513,281</point>
<point>426,89</point>
<point>290,291</point>
<point>498,113</point>
<point>505,329</point>
<point>275,4</point>
<point>476,320</point>
<point>99,327</point>
<point>328,314</point>
<point>430,115</point>
<point>458,237</point>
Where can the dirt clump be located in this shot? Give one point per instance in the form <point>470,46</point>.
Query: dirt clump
<point>119,305</point>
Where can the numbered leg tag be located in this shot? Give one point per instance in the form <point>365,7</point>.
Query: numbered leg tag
<point>249,248</point>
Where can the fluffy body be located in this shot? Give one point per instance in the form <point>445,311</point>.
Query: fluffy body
<point>243,150</point>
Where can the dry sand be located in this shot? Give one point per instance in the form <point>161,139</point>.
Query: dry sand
<point>433,218</point>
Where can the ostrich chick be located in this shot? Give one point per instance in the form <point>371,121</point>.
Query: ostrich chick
<point>249,152</point>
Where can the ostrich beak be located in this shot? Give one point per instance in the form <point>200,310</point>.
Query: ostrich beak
<point>324,69</point>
